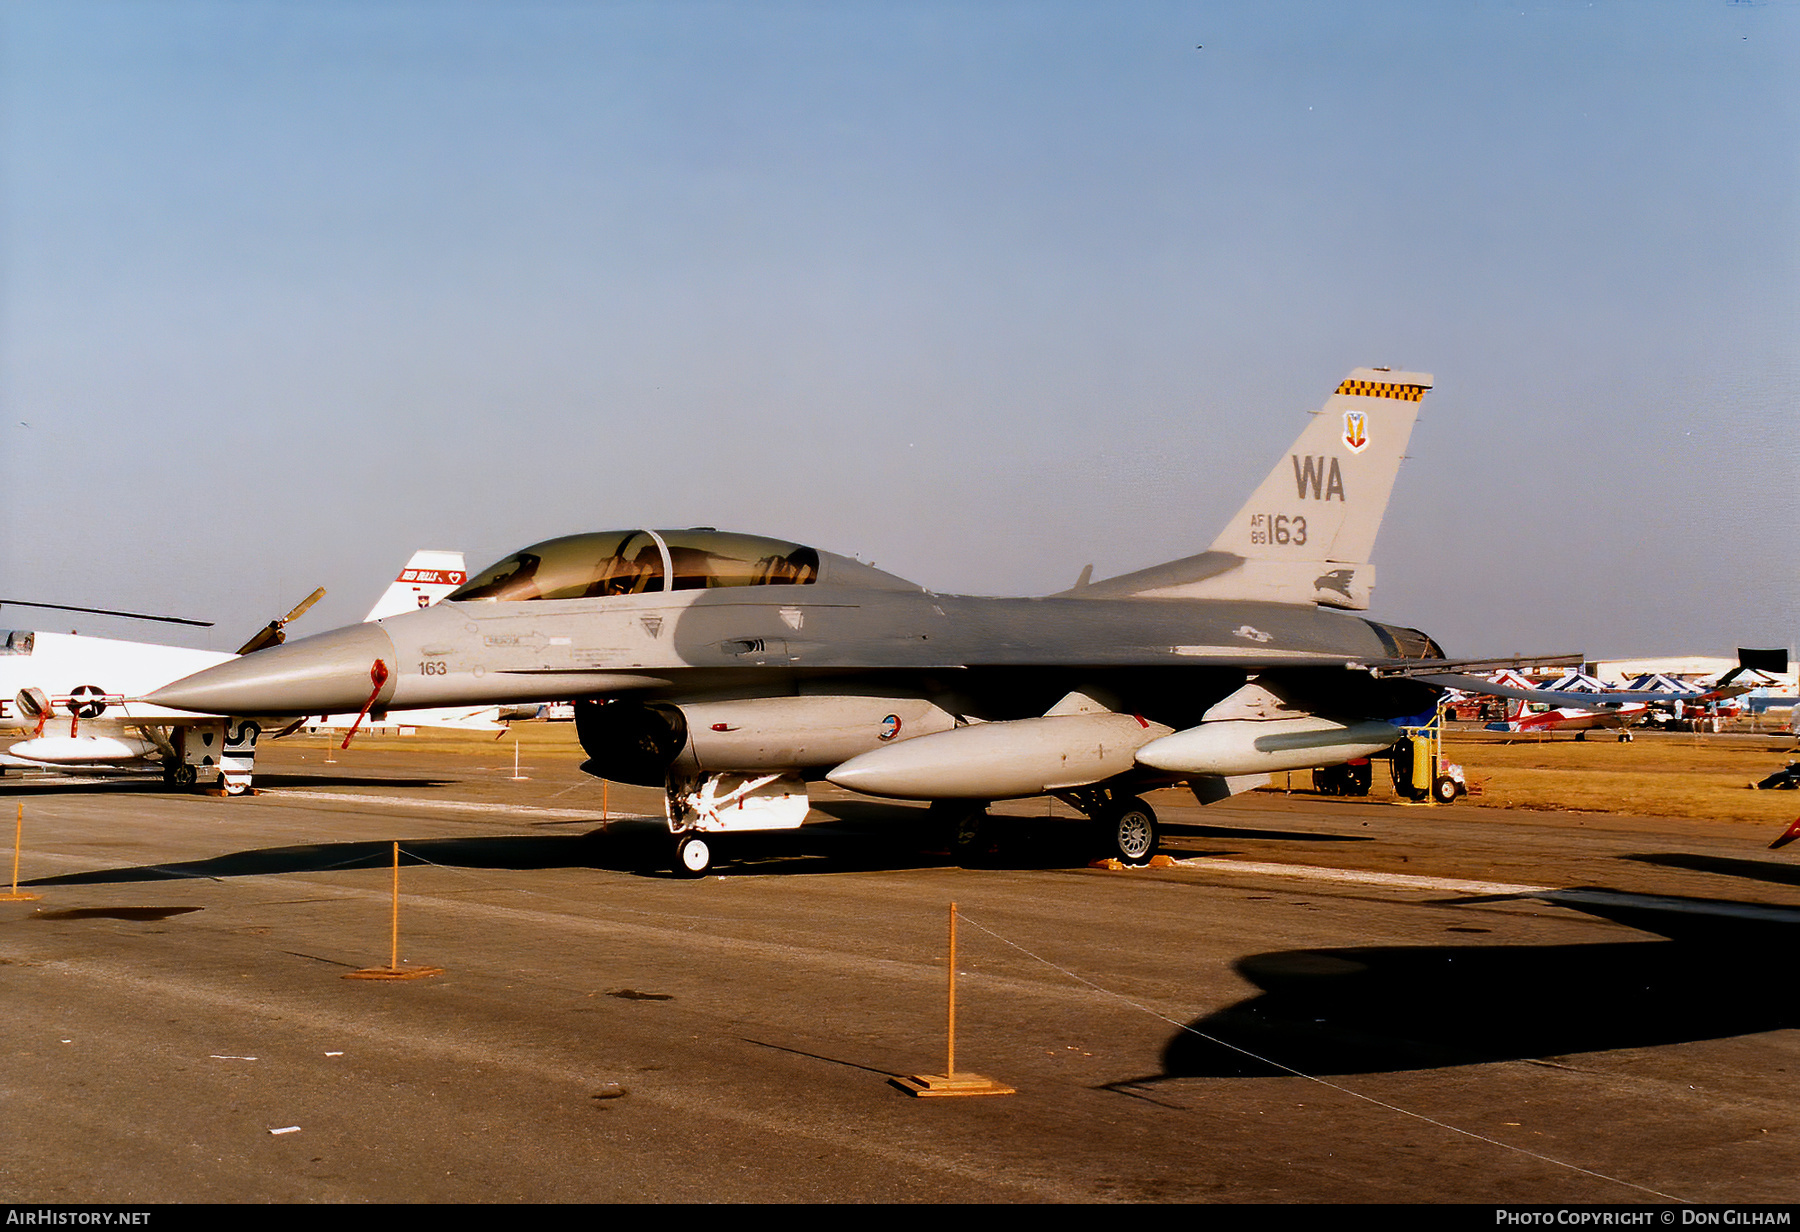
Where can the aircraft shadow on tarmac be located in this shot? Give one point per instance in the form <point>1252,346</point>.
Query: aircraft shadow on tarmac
<point>503,852</point>
<point>1387,1008</point>
<point>1016,831</point>
<point>633,846</point>
<point>152,785</point>
<point>860,837</point>
<point>305,781</point>
<point>1772,871</point>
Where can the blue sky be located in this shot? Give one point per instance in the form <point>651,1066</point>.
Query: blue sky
<point>980,292</point>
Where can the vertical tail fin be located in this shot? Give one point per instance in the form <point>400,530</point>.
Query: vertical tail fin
<point>1307,533</point>
<point>428,577</point>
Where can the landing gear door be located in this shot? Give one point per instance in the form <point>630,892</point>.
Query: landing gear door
<point>223,751</point>
<point>202,746</point>
<point>720,802</point>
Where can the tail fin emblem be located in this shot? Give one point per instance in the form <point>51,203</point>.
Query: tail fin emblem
<point>1356,430</point>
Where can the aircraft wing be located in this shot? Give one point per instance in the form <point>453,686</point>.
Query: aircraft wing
<point>1457,674</point>
<point>1427,667</point>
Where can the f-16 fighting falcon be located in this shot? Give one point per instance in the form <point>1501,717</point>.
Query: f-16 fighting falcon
<point>732,669</point>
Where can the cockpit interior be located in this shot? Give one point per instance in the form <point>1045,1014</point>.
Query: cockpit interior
<point>635,562</point>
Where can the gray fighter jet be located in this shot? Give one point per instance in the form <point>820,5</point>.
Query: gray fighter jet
<point>732,669</point>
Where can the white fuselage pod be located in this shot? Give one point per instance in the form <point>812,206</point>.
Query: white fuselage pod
<point>83,750</point>
<point>1253,746</point>
<point>1002,761</point>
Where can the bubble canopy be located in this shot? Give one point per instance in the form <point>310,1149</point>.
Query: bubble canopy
<point>635,562</point>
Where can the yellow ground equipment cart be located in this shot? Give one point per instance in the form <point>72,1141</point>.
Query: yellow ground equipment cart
<point>1419,769</point>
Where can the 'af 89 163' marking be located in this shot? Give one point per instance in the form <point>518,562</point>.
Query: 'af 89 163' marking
<point>1282,529</point>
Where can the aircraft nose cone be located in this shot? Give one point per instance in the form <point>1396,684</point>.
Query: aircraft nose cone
<point>328,673</point>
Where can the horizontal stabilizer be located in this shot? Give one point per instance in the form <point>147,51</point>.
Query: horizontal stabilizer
<point>1174,573</point>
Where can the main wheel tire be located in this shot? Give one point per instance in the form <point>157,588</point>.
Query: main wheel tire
<point>693,856</point>
<point>1443,789</point>
<point>963,827</point>
<point>1357,779</point>
<point>1132,835</point>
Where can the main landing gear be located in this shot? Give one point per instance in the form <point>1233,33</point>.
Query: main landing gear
<point>1350,779</point>
<point>1125,828</point>
<point>964,827</point>
<point>1121,828</point>
<point>1129,832</point>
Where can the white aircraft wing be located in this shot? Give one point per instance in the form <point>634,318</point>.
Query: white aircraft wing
<point>1572,699</point>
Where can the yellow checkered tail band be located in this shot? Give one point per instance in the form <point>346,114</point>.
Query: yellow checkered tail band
<point>1380,389</point>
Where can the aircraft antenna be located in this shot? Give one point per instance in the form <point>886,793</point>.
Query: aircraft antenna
<point>107,611</point>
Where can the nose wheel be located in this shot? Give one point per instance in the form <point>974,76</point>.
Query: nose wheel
<point>693,856</point>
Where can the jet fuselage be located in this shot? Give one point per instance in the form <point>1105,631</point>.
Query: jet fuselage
<point>996,658</point>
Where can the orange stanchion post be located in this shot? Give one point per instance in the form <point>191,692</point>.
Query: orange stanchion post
<point>950,1082</point>
<point>17,895</point>
<point>394,971</point>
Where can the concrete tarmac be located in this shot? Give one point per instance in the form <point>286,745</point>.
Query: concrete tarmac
<point>1324,1001</point>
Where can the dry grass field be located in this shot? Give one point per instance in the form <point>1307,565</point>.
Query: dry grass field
<point>1704,777</point>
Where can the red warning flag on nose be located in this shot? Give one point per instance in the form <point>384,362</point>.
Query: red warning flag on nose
<point>378,676</point>
<point>1787,836</point>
